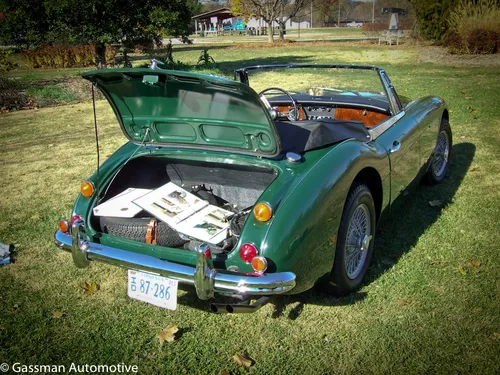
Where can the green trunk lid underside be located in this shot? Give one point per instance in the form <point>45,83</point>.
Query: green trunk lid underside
<point>182,109</point>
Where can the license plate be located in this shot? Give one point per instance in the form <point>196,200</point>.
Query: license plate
<point>154,289</point>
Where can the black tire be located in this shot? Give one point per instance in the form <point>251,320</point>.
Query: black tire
<point>434,174</point>
<point>135,229</point>
<point>341,281</point>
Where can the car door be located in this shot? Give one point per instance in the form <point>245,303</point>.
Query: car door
<point>400,139</point>
<point>401,142</point>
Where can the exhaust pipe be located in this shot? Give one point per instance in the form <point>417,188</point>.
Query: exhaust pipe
<point>221,308</point>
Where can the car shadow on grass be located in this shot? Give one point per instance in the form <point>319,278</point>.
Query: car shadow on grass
<point>414,215</point>
<point>394,238</point>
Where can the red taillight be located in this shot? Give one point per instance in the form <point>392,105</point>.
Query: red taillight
<point>75,218</point>
<point>207,253</point>
<point>247,252</point>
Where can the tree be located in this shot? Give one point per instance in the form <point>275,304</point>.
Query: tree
<point>279,11</point>
<point>363,12</point>
<point>326,11</point>
<point>432,17</point>
<point>24,23</point>
<point>209,6</point>
<point>100,22</point>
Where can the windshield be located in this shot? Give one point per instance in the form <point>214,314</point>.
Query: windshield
<point>319,82</point>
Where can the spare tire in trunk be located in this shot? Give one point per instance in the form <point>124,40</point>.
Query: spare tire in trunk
<point>136,229</point>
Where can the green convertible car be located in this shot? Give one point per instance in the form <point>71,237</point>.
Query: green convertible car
<point>270,183</point>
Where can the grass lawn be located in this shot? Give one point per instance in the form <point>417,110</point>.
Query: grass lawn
<point>430,304</point>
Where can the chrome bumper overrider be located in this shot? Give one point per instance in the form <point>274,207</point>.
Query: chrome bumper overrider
<point>204,277</point>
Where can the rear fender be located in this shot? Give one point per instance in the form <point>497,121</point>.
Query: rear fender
<point>303,235</point>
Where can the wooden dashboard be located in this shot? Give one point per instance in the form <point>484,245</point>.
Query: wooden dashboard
<point>368,117</point>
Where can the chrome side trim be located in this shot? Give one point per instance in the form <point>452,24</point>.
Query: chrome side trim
<point>383,126</point>
<point>211,280</point>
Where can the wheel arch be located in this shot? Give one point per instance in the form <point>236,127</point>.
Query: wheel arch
<point>371,178</point>
<point>446,115</point>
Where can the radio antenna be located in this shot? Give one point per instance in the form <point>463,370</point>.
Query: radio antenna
<point>96,142</point>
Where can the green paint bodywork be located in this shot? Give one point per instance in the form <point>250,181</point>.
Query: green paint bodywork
<point>307,198</point>
<point>183,109</point>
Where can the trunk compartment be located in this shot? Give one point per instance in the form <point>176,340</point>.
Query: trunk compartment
<point>233,187</point>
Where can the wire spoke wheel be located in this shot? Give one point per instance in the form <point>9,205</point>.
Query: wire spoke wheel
<point>354,245</point>
<point>357,241</point>
<point>441,154</point>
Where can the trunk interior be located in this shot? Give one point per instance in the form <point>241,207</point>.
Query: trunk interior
<point>232,187</point>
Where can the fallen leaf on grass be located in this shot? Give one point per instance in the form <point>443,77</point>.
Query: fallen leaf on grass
<point>58,314</point>
<point>435,263</point>
<point>475,169</point>
<point>435,203</point>
<point>90,288</point>
<point>242,360</point>
<point>332,240</point>
<point>403,302</point>
<point>473,266</point>
<point>167,334</point>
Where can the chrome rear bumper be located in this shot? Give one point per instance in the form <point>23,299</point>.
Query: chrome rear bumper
<point>204,277</point>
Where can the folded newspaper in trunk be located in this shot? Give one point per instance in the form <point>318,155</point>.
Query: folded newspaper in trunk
<point>187,213</point>
<point>121,205</point>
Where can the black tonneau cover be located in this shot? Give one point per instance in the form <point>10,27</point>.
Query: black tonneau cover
<point>302,136</point>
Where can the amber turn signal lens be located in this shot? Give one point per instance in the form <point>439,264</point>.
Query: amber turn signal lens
<point>262,211</point>
<point>259,264</point>
<point>87,189</point>
<point>63,226</point>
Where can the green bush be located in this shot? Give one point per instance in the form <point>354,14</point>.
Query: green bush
<point>165,55</point>
<point>5,63</point>
<point>205,60</point>
<point>433,17</point>
<point>474,28</point>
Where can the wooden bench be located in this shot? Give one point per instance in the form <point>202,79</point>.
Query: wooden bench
<point>390,36</point>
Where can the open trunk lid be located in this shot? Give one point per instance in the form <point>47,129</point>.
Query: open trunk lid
<point>182,109</point>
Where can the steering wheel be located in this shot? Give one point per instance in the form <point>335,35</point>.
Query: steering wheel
<point>291,116</point>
